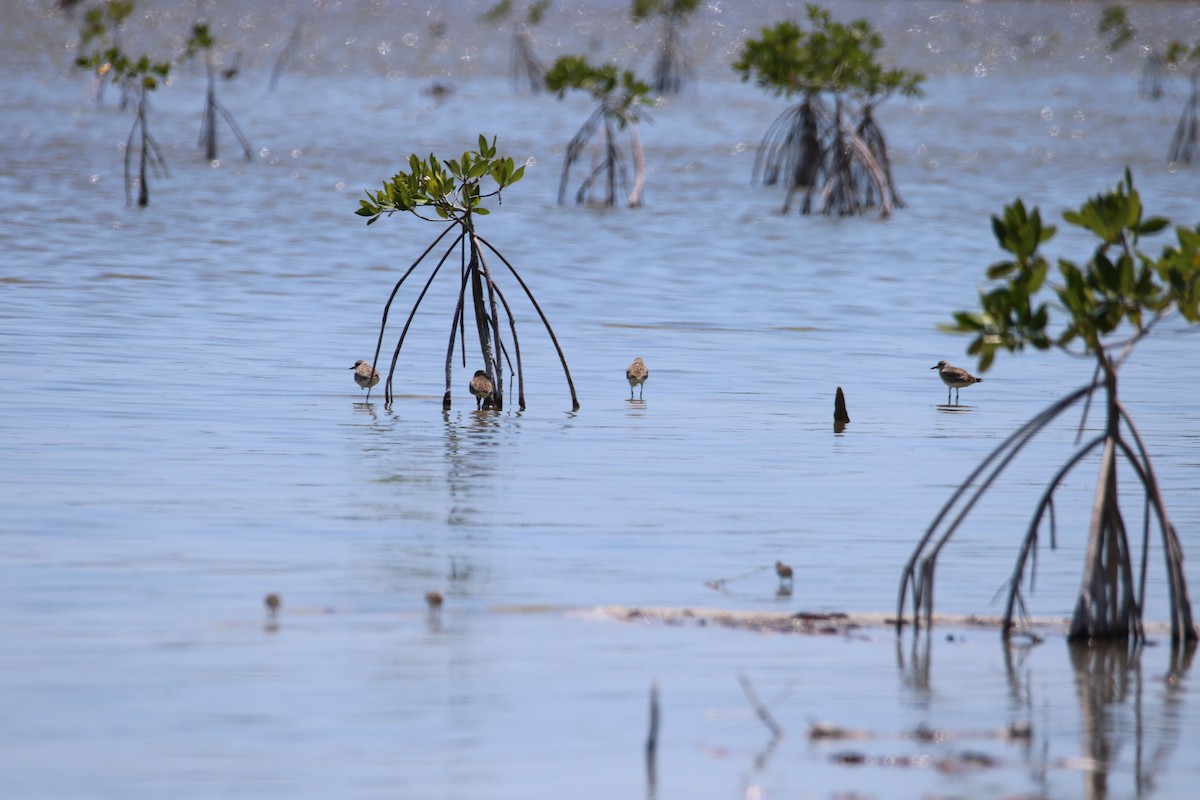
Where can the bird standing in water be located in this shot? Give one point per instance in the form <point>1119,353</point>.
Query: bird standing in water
<point>785,574</point>
<point>482,387</point>
<point>955,378</point>
<point>636,373</point>
<point>364,374</point>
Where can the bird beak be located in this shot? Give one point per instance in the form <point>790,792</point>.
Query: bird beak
<point>934,366</point>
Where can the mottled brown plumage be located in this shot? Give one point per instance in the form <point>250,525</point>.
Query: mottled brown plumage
<point>636,373</point>
<point>955,378</point>
<point>482,387</point>
<point>364,374</point>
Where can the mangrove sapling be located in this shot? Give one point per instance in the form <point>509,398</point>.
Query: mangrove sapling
<point>100,44</point>
<point>620,94</point>
<point>1115,24</point>
<point>1110,302</point>
<point>672,69</point>
<point>451,193</point>
<point>147,75</point>
<point>830,145</point>
<point>285,53</point>
<point>1183,142</point>
<point>876,85</point>
<point>202,40</point>
<point>525,68</point>
<point>138,77</point>
<point>1160,61</point>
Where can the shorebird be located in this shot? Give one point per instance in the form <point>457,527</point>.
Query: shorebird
<point>433,601</point>
<point>364,374</point>
<point>482,387</point>
<point>636,373</point>
<point>955,378</point>
<point>272,602</point>
<point>784,572</point>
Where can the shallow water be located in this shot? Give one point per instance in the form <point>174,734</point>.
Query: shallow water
<point>181,435</point>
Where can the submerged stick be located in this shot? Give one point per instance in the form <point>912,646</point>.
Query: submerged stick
<point>760,710</point>
<point>717,583</point>
<point>652,744</point>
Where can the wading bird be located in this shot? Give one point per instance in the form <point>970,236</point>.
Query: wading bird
<point>636,373</point>
<point>955,378</point>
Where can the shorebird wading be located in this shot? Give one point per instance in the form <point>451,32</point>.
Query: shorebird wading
<point>636,373</point>
<point>482,387</point>
<point>364,374</point>
<point>955,378</point>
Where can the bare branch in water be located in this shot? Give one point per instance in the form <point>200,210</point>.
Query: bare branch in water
<point>652,745</point>
<point>760,710</point>
<point>718,583</point>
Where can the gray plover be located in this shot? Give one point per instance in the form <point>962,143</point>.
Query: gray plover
<point>482,387</point>
<point>636,373</point>
<point>784,572</point>
<point>955,378</point>
<point>364,374</point>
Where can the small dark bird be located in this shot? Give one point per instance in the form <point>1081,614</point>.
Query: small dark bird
<point>482,387</point>
<point>784,572</point>
<point>364,374</point>
<point>955,378</point>
<point>272,603</point>
<point>636,373</point>
<point>434,601</point>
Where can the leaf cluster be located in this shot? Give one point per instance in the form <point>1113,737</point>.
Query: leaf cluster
<point>100,22</point>
<point>452,188</point>
<point>106,57</point>
<point>619,90</point>
<point>677,9</point>
<point>1115,24</point>
<point>114,63</point>
<point>1118,285</point>
<point>825,56</point>
<point>201,39</point>
<point>500,12</point>
<point>1176,52</point>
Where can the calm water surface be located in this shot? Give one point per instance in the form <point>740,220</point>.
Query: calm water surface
<point>179,434</point>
